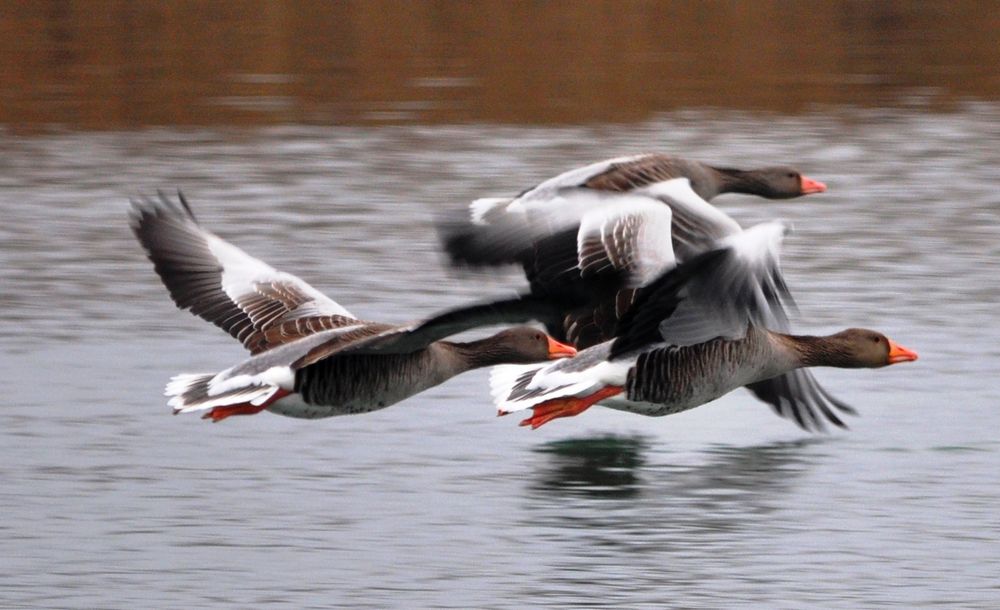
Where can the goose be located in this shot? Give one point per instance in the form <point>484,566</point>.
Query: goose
<point>696,333</point>
<point>310,357</point>
<point>577,235</point>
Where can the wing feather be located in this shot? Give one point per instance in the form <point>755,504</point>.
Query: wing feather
<point>224,285</point>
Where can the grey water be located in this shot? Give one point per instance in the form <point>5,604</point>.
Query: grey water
<point>107,501</point>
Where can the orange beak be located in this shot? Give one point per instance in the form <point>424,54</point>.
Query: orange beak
<point>560,350</point>
<point>898,353</point>
<point>810,186</point>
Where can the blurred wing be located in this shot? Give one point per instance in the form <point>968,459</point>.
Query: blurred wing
<point>697,224</point>
<point>797,395</point>
<point>416,336</point>
<point>719,294</point>
<point>503,230</point>
<point>413,337</point>
<point>588,235</point>
<point>715,294</point>
<point>256,304</point>
<point>515,229</point>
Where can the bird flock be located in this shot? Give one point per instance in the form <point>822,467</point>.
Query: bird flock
<point>653,300</point>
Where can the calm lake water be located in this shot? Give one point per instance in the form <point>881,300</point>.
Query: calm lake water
<point>108,501</point>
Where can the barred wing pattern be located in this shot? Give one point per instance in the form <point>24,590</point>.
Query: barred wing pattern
<point>258,305</point>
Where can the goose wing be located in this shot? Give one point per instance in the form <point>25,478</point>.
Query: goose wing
<point>797,395</point>
<point>408,338</point>
<point>504,230</point>
<point>697,224</point>
<point>716,294</point>
<point>719,294</point>
<point>258,305</point>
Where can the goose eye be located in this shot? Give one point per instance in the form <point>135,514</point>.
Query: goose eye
<point>792,175</point>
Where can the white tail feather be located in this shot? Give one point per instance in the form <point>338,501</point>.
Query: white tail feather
<point>194,392</point>
<point>544,385</point>
<point>516,387</point>
<point>502,380</point>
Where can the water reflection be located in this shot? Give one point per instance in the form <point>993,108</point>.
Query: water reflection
<point>258,62</point>
<point>602,466</point>
<point>584,483</point>
<point>677,515</point>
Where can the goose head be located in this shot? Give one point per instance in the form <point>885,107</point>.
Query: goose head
<point>524,344</point>
<point>784,183</point>
<point>863,348</point>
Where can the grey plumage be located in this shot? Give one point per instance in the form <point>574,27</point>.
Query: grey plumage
<point>309,356</point>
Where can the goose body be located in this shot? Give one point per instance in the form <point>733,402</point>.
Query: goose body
<point>310,357</point>
<point>654,382</point>
<point>695,334</point>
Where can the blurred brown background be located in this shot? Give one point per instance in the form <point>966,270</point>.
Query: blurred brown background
<point>119,64</point>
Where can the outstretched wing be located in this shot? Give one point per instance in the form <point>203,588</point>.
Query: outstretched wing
<point>258,305</point>
<point>404,339</point>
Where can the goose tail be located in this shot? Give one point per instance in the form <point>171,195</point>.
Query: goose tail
<point>517,387</point>
<point>219,397</point>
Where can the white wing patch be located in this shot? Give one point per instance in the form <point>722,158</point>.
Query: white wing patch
<point>678,194</point>
<point>633,235</point>
<point>242,274</point>
<point>760,245</point>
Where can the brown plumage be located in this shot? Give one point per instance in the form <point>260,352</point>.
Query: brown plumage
<point>707,181</point>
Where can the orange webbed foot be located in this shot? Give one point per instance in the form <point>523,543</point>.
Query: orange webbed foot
<point>220,413</point>
<point>567,407</point>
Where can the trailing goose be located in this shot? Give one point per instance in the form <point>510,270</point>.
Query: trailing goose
<point>589,235</point>
<point>310,357</point>
<point>696,333</point>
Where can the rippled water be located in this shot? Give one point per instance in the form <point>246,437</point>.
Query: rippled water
<point>108,501</point>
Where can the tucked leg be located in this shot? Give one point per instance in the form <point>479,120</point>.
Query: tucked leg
<point>567,407</point>
<point>221,413</point>
<point>245,408</point>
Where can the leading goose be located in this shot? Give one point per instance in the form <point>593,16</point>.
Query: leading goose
<point>310,357</point>
<point>695,334</point>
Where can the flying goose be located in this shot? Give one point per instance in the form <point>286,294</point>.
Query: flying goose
<point>699,331</point>
<point>310,357</point>
<point>590,235</point>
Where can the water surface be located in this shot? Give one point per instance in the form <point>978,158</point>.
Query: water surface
<point>108,501</point>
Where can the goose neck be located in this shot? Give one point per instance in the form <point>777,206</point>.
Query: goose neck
<point>810,350</point>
